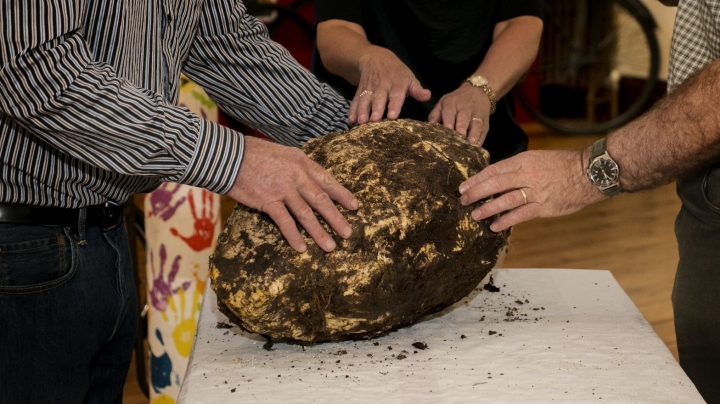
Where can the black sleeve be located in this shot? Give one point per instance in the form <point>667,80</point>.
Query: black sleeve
<point>347,10</point>
<point>508,9</point>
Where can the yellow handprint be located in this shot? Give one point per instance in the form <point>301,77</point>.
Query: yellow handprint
<point>185,315</point>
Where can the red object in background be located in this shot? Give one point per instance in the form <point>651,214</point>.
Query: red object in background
<point>531,88</point>
<point>289,35</point>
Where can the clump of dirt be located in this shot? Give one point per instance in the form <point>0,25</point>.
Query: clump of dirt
<point>420,345</point>
<point>415,249</point>
<point>490,286</point>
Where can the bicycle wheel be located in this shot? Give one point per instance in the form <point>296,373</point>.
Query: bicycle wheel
<point>597,66</point>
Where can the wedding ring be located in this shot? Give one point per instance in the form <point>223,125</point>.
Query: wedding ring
<point>524,196</point>
<point>477,119</point>
<point>366,92</point>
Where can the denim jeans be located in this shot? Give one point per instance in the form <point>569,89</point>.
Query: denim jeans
<point>67,315</point>
<point>696,294</point>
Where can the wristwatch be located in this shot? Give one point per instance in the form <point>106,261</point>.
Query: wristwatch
<point>482,82</point>
<point>603,171</point>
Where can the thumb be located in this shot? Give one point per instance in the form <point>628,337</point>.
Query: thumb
<point>417,91</point>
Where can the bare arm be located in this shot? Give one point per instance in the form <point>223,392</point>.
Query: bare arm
<point>341,44</point>
<point>515,46</point>
<point>680,134</point>
<point>383,80</point>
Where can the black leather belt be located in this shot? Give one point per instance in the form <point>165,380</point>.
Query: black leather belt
<point>106,216</point>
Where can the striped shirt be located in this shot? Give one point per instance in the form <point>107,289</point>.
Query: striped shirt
<point>88,94</point>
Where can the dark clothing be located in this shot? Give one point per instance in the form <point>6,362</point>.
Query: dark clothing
<point>697,282</point>
<point>442,42</point>
<point>68,315</point>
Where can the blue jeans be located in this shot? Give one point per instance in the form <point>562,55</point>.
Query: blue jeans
<point>67,315</point>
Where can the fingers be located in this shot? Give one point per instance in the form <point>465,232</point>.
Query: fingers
<point>321,202</point>
<point>503,203</point>
<point>379,101</point>
<point>462,122</point>
<point>305,216</point>
<point>416,91</point>
<point>397,99</point>
<point>492,186</point>
<point>334,189</point>
<point>363,102</point>
<point>311,198</point>
<point>476,134</point>
<point>279,214</point>
<point>449,112</point>
<point>353,112</point>
<point>502,167</point>
<point>435,114</point>
<point>514,217</point>
<point>517,203</point>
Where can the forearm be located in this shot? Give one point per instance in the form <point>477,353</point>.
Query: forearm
<point>344,48</point>
<point>257,81</point>
<point>514,48</point>
<point>680,134</point>
<point>51,87</point>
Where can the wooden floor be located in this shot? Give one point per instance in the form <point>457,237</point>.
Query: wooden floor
<point>630,235</point>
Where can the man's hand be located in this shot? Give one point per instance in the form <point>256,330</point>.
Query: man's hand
<point>280,180</point>
<point>554,183</point>
<point>466,110</point>
<point>384,81</point>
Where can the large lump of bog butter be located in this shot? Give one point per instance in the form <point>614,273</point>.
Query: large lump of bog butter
<point>415,249</point>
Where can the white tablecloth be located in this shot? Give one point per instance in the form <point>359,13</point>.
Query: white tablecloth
<point>576,338</point>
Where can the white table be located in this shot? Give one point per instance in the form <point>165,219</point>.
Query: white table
<point>589,344</point>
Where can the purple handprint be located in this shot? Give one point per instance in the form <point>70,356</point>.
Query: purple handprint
<point>162,290</point>
<point>161,198</point>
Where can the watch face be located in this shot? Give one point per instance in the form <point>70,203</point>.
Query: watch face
<point>478,81</point>
<point>604,172</point>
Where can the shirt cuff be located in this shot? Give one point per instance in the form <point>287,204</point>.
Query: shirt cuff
<point>216,162</point>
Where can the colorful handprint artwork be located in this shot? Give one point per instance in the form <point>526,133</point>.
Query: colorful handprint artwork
<point>162,289</point>
<point>181,224</point>
<point>204,222</point>
<point>161,201</point>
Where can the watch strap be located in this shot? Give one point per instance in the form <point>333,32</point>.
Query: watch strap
<point>598,149</point>
<point>491,95</point>
<point>612,191</point>
<point>488,91</point>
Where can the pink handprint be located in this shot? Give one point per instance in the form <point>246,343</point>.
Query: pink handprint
<point>204,224</point>
<point>161,198</point>
<point>162,290</point>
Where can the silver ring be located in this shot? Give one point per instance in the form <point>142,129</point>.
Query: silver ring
<point>524,195</point>
<point>477,119</point>
<point>366,92</point>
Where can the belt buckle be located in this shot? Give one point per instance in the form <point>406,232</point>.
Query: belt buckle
<point>107,220</point>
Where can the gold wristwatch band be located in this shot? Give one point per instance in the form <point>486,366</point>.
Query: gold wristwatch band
<point>482,83</point>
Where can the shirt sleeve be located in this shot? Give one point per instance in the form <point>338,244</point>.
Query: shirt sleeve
<point>51,86</point>
<point>255,80</point>
<point>346,10</point>
<point>508,9</point>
